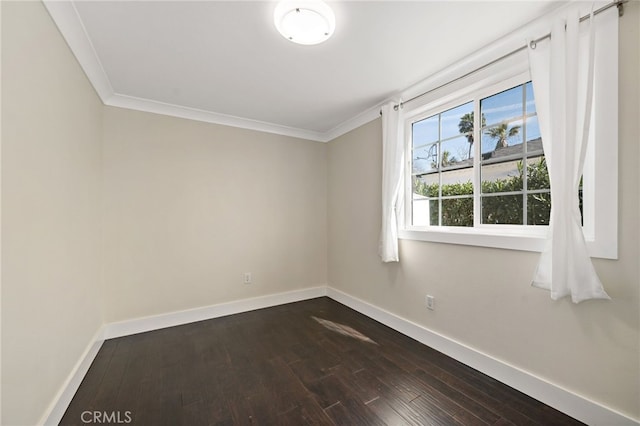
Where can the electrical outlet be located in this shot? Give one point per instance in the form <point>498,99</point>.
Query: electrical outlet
<point>246,278</point>
<point>431,302</point>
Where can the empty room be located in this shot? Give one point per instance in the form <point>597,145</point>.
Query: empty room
<point>320,212</point>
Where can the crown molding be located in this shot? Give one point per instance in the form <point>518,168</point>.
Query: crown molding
<point>147,105</point>
<point>66,17</point>
<point>353,123</point>
<point>70,25</point>
<point>156,107</point>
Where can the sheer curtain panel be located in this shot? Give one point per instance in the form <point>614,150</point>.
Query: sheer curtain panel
<point>562,72</point>
<point>392,170</point>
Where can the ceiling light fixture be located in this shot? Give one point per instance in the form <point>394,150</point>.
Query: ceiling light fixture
<point>304,21</point>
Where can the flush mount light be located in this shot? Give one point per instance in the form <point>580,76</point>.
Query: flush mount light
<point>304,21</point>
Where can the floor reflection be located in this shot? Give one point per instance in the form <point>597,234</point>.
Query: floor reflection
<point>345,330</point>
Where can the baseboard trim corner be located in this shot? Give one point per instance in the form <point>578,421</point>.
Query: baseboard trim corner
<point>61,401</point>
<point>574,405</point>
<point>579,407</point>
<point>54,413</point>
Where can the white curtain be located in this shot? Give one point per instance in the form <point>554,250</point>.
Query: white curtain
<point>562,72</point>
<point>392,170</point>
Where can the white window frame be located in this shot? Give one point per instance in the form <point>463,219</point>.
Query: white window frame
<point>600,174</point>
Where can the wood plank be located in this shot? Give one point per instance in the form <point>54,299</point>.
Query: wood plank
<point>281,366</point>
<point>306,412</point>
<point>353,412</point>
<point>393,414</point>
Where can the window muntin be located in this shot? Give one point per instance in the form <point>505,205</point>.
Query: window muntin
<point>502,181</point>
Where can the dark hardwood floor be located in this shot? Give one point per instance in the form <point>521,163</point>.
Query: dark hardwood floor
<point>311,362</point>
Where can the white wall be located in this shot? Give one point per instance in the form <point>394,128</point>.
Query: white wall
<point>51,155</point>
<point>483,296</point>
<point>190,206</point>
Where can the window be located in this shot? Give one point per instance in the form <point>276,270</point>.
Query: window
<point>477,174</point>
<point>505,175</point>
<point>475,170</point>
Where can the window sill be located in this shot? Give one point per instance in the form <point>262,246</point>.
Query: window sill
<point>505,238</point>
<point>509,238</point>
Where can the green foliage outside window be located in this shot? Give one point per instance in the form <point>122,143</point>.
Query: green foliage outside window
<point>502,209</point>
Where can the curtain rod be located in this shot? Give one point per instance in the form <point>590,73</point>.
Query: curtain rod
<point>619,4</point>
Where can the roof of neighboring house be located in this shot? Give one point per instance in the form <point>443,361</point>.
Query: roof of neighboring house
<point>499,155</point>
<point>533,147</point>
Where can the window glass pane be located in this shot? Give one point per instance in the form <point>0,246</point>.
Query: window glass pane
<point>503,106</point>
<point>530,103</point>
<point>502,177</point>
<point>434,212</point>
<point>457,182</point>
<point>425,131</point>
<point>420,211</point>
<point>504,209</point>
<point>538,208</point>
<point>425,207</point>
<point>456,152</point>
<point>457,212</point>
<point>425,159</point>
<point>537,174</point>
<point>426,186</point>
<point>534,148</point>
<point>534,141</point>
<point>453,122</point>
<point>502,140</point>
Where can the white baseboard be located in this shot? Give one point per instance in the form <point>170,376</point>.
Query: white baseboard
<point>140,325</point>
<point>574,405</point>
<point>58,406</point>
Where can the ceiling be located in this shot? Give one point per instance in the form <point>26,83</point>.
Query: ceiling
<point>224,61</point>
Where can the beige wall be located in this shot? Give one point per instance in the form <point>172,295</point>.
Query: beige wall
<point>110,214</point>
<point>483,296</point>
<point>190,206</point>
<point>51,155</point>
